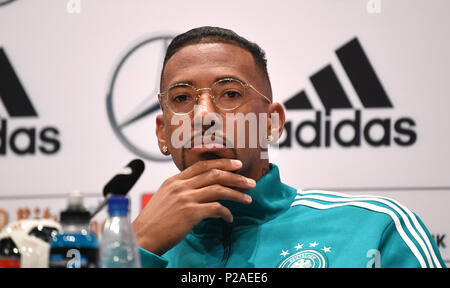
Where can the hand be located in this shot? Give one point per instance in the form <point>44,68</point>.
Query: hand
<point>187,198</point>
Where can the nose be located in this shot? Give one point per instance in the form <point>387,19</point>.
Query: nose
<point>205,103</point>
<point>206,111</point>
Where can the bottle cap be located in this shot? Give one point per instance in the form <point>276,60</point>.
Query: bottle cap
<point>118,204</point>
<point>75,217</point>
<point>75,213</point>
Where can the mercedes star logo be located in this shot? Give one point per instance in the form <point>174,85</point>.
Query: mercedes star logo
<point>132,100</point>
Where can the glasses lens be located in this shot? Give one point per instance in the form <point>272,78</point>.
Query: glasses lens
<point>181,98</point>
<point>228,93</point>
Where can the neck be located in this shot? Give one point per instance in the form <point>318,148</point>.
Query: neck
<point>257,169</point>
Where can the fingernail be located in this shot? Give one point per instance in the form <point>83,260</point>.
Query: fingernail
<point>248,199</point>
<point>236,163</point>
<point>251,182</point>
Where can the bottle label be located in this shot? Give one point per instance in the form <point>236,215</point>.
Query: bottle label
<point>9,262</point>
<point>73,257</point>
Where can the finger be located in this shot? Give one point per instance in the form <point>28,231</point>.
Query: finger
<point>218,192</point>
<point>205,165</point>
<point>225,178</point>
<point>215,210</point>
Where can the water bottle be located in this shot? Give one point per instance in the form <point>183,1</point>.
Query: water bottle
<point>9,253</point>
<point>74,246</point>
<point>118,247</point>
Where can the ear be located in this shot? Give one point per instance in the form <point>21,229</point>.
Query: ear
<point>161,134</point>
<point>276,130</point>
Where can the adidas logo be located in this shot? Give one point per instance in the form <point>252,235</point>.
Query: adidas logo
<point>12,93</point>
<point>21,140</point>
<point>332,95</point>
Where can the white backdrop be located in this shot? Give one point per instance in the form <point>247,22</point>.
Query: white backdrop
<point>65,54</point>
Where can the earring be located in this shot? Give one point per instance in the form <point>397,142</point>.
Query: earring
<point>164,149</point>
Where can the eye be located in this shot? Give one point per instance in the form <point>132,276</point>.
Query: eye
<point>232,94</point>
<point>180,98</point>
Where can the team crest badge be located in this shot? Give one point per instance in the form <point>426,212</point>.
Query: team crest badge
<point>312,256</point>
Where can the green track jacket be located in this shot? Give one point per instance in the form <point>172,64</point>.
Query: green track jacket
<point>286,228</point>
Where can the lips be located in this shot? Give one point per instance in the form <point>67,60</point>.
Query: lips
<point>208,144</point>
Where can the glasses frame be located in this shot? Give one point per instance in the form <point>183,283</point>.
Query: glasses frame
<point>199,93</point>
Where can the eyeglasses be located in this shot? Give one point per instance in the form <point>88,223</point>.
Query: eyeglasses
<point>227,94</point>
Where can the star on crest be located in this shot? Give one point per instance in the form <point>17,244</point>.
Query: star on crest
<point>284,253</point>
<point>314,244</point>
<point>326,249</point>
<point>299,246</point>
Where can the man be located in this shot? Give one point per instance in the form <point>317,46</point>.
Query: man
<point>227,207</point>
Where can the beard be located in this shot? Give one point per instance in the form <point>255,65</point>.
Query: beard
<point>190,157</point>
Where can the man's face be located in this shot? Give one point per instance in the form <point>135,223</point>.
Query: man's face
<point>201,65</point>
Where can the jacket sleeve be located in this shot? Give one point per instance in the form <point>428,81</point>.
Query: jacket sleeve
<point>150,260</point>
<point>408,245</point>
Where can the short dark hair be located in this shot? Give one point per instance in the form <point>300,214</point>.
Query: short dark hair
<point>208,34</point>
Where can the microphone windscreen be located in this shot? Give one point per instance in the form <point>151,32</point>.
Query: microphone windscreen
<point>123,181</point>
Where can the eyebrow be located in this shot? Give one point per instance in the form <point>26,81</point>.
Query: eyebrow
<point>227,77</point>
<point>191,83</point>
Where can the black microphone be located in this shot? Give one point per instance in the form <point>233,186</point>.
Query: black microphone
<point>122,182</point>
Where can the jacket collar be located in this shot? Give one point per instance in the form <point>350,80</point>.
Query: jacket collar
<point>270,198</point>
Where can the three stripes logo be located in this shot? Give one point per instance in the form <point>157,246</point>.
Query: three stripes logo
<point>333,97</point>
<point>12,93</point>
<point>21,140</point>
<point>4,2</point>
